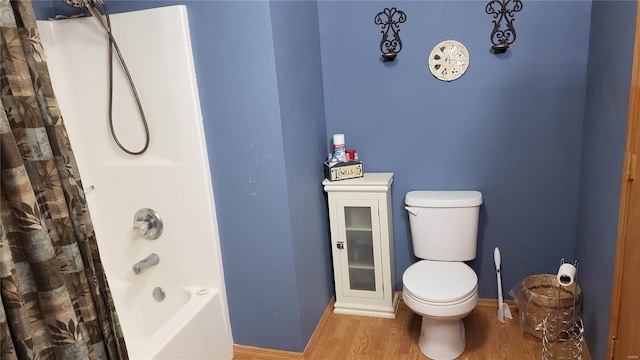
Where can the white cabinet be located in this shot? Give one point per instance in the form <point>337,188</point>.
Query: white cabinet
<point>362,245</point>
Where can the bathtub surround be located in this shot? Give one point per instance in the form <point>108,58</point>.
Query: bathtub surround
<point>172,178</point>
<point>511,127</point>
<point>48,250</point>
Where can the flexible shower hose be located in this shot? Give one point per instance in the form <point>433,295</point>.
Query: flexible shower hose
<point>113,44</point>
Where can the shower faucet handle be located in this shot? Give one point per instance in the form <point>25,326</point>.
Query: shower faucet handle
<point>141,227</point>
<point>147,223</point>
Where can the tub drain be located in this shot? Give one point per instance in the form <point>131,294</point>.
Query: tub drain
<point>159,294</point>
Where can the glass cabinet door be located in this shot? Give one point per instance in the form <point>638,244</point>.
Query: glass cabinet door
<point>359,248</point>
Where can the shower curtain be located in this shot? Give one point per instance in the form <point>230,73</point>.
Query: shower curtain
<point>54,297</point>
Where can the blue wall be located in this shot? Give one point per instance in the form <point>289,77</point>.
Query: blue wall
<point>609,82</point>
<point>297,51</point>
<point>511,127</point>
<point>43,8</point>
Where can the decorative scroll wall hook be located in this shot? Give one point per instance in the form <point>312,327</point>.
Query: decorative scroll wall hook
<point>390,20</point>
<point>503,35</point>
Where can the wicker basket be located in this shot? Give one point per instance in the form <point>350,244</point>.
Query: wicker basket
<point>545,297</point>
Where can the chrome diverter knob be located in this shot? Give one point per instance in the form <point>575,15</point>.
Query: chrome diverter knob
<point>147,223</point>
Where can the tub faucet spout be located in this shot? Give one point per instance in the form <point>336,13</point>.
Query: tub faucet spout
<point>145,263</point>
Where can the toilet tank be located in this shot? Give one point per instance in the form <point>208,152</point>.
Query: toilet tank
<point>444,224</point>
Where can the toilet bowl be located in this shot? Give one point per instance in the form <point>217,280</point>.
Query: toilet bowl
<point>443,293</point>
<point>441,287</point>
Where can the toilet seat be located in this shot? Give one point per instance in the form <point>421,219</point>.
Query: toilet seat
<point>440,282</point>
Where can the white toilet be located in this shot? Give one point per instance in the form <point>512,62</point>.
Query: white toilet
<point>441,287</point>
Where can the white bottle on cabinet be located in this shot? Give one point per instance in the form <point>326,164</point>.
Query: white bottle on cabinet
<point>362,245</point>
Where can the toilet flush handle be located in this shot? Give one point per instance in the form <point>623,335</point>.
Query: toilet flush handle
<point>413,211</point>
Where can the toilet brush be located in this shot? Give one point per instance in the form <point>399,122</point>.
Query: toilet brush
<point>503,308</point>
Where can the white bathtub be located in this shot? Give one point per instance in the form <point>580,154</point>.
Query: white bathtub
<point>172,178</point>
<point>172,328</point>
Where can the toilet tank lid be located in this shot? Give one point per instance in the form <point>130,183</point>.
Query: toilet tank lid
<point>443,198</point>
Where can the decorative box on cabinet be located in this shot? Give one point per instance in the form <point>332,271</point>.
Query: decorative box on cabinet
<point>362,245</point>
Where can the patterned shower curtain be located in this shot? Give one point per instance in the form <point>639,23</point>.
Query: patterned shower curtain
<point>54,297</point>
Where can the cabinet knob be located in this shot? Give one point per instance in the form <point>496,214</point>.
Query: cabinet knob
<point>340,245</point>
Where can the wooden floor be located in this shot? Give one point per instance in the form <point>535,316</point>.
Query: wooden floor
<point>356,337</point>
<point>347,337</point>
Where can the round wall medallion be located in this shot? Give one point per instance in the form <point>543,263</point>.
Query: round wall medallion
<point>448,60</point>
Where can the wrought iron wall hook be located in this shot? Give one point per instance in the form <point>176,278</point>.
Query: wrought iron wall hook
<point>503,35</point>
<point>390,20</point>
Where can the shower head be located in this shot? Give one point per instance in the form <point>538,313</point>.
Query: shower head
<point>80,4</point>
<point>89,5</point>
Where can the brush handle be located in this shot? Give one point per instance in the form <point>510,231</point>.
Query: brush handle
<point>499,288</point>
<point>497,261</point>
